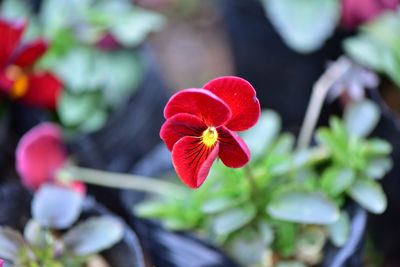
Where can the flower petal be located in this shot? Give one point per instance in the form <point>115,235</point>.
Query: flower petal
<point>10,32</point>
<point>192,160</point>
<point>208,107</point>
<point>44,91</point>
<point>40,153</point>
<point>241,97</point>
<point>30,53</point>
<point>233,151</point>
<point>181,125</point>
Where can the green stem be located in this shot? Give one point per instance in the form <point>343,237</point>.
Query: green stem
<point>319,93</point>
<point>120,180</point>
<point>251,179</point>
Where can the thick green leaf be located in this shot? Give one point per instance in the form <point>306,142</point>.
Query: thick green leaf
<point>378,167</point>
<point>220,204</point>
<point>303,24</point>
<point>290,264</point>
<point>361,118</point>
<point>365,51</point>
<point>131,28</point>
<point>75,109</point>
<point>377,147</point>
<point>339,231</point>
<point>369,194</point>
<point>247,248</point>
<point>260,137</point>
<point>10,243</point>
<point>337,180</point>
<point>94,235</point>
<point>56,207</point>
<point>94,121</point>
<point>296,205</point>
<point>35,234</point>
<point>233,219</point>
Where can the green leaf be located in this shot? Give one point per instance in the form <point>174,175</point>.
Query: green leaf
<point>36,235</point>
<point>94,235</point>
<point>131,28</point>
<point>361,118</point>
<point>365,51</point>
<point>56,207</point>
<point>247,248</point>
<point>118,74</point>
<point>378,167</point>
<point>94,121</point>
<point>296,205</point>
<point>339,231</point>
<point>75,109</point>
<point>295,20</point>
<point>260,137</point>
<point>233,219</point>
<point>290,264</point>
<point>336,180</point>
<point>267,232</point>
<point>220,204</point>
<point>377,147</point>
<point>11,243</point>
<point>369,195</point>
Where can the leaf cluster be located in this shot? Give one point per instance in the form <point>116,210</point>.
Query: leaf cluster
<point>286,203</point>
<point>52,238</point>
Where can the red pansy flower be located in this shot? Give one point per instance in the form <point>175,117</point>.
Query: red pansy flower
<point>40,154</point>
<point>17,77</point>
<point>356,12</point>
<point>201,124</point>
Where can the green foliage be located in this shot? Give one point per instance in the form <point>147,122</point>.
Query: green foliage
<point>43,245</point>
<point>377,46</point>
<point>96,81</point>
<point>286,203</point>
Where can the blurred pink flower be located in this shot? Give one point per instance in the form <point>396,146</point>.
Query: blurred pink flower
<point>1,263</point>
<point>40,154</point>
<point>356,12</point>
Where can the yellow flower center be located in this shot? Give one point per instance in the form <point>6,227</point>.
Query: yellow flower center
<point>20,81</point>
<point>209,136</point>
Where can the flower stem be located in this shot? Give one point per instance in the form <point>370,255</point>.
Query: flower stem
<point>121,180</point>
<point>319,93</point>
<point>251,179</point>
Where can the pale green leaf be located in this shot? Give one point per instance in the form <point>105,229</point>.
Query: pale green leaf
<point>303,24</point>
<point>361,118</point>
<point>233,219</point>
<point>369,195</point>
<point>301,206</point>
<point>94,235</point>
<point>339,231</point>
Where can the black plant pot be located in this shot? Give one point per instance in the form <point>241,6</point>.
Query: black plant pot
<point>283,78</point>
<point>15,212</point>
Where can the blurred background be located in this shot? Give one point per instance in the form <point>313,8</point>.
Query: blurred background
<point>117,62</point>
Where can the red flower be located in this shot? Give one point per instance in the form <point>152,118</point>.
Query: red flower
<point>356,12</point>
<point>201,125</point>
<point>17,77</point>
<point>40,154</point>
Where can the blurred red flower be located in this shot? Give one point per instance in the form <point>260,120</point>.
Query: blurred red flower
<point>356,12</point>
<point>40,154</point>
<point>17,77</point>
<point>201,125</point>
